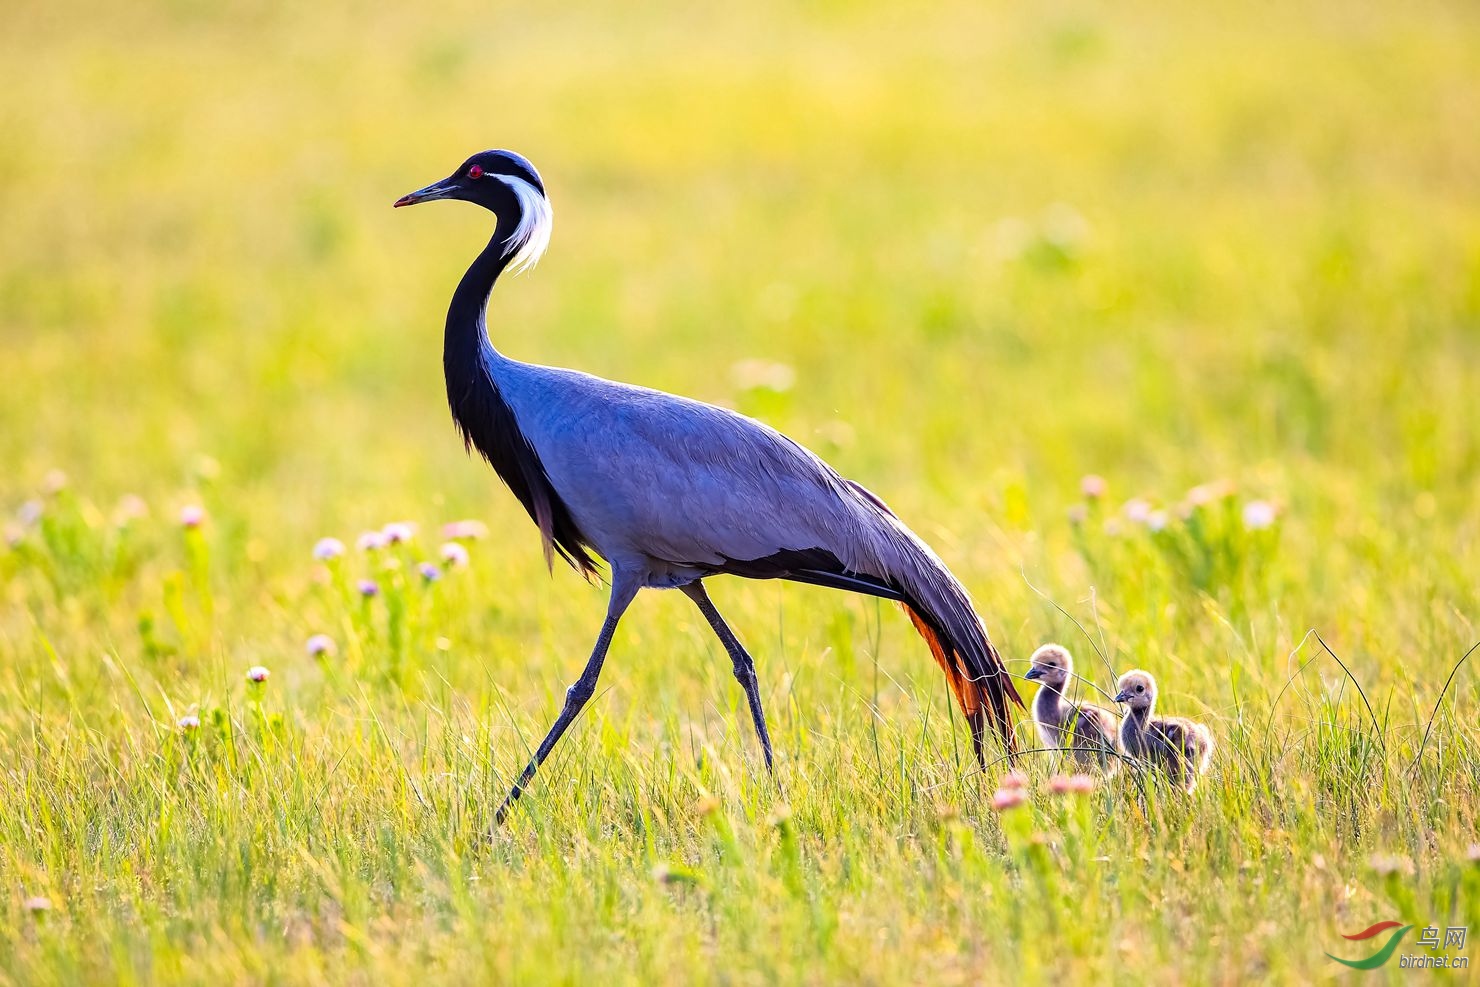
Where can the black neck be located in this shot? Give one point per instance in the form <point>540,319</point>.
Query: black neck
<point>467,331</point>
<point>484,417</point>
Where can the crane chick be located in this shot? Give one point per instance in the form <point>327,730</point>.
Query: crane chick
<point>1174,744</point>
<point>1087,731</point>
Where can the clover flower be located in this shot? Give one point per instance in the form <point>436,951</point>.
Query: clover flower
<point>258,674</point>
<point>371,541</point>
<point>1259,514</point>
<point>368,588</point>
<point>1205,493</point>
<point>328,548</point>
<point>454,554</point>
<point>189,723</point>
<point>469,530</point>
<point>1093,486</point>
<point>398,532</point>
<point>131,507</point>
<point>30,512</point>
<point>1008,798</point>
<point>1075,784</point>
<point>192,516</point>
<point>320,645</point>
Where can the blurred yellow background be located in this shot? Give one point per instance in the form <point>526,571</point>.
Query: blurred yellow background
<point>969,252</point>
<point>1143,240</point>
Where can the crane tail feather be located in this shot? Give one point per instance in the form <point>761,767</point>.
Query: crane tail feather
<point>941,610</point>
<point>937,605</point>
<point>546,524</point>
<point>983,697</point>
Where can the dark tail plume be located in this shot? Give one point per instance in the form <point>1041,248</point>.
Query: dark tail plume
<point>905,570</point>
<point>973,668</point>
<point>941,611</point>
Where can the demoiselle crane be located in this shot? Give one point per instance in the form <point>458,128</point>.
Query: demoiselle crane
<point>670,491</point>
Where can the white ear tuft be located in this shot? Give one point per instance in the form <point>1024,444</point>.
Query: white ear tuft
<point>531,237</point>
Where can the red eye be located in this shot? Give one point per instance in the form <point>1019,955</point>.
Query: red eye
<point>475,172</point>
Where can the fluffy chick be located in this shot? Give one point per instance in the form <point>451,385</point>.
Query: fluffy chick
<point>1087,731</point>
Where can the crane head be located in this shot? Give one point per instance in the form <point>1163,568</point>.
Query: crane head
<point>506,184</point>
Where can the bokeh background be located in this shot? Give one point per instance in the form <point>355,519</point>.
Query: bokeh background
<point>969,252</point>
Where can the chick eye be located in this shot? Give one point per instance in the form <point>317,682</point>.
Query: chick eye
<point>1140,688</point>
<point>475,172</point>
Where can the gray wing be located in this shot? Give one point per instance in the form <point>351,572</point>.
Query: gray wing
<point>688,482</point>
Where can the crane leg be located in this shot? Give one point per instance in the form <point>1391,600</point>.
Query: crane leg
<point>744,666</point>
<point>576,697</point>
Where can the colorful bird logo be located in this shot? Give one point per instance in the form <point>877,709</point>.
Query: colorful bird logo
<point>1384,954</point>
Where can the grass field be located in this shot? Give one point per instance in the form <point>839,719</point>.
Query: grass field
<point>969,253</point>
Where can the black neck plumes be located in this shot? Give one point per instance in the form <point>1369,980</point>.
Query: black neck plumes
<point>484,417</point>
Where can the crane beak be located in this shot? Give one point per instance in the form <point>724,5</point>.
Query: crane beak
<point>1034,673</point>
<point>1123,697</point>
<point>437,190</point>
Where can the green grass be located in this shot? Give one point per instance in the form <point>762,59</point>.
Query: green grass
<point>999,249</point>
